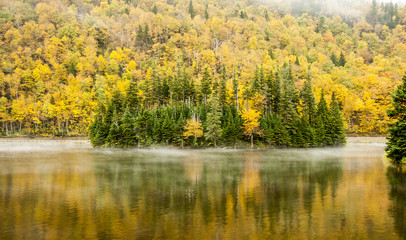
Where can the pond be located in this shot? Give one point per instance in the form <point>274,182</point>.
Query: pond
<point>67,190</point>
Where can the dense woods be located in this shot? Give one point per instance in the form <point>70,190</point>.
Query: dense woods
<point>275,114</point>
<point>201,65</point>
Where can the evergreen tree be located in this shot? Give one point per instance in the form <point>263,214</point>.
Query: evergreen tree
<point>213,128</point>
<point>114,137</point>
<point>155,9</point>
<point>323,127</point>
<point>372,16</point>
<point>334,59</point>
<point>94,130</point>
<point>232,126</point>
<point>289,100</point>
<point>192,12</point>
<point>206,13</point>
<point>235,91</point>
<point>266,16</point>
<point>308,101</point>
<point>337,124</point>
<point>128,137</point>
<point>223,89</point>
<point>396,146</point>
<point>132,98</point>
<point>205,87</point>
<point>274,131</point>
<point>167,127</point>
<point>342,61</point>
<point>276,93</point>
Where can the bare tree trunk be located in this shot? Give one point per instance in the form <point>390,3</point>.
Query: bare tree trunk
<point>252,140</point>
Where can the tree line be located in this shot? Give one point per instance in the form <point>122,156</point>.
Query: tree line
<point>273,112</point>
<point>60,60</point>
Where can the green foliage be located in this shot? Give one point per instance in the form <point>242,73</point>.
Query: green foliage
<point>192,12</point>
<point>213,128</point>
<point>336,121</point>
<point>396,146</point>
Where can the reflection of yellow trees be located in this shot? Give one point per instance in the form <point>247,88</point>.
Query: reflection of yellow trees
<point>193,168</point>
<point>247,197</point>
<point>251,180</point>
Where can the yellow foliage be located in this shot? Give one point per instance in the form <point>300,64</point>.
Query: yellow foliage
<point>251,121</point>
<point>193,128</point>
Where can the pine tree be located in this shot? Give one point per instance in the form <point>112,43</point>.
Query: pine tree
<point>276,93</point>
<point>213,128</point>
<point>155,9</point>
<point>334,59</point>
<point>206,13</point>
<point>131,100</point>
<point>289,100</point>
<point>323,127</point>
<point>342,61</point>
<point>223,89</point>
<point>205,87</point>
<point>128,137</point>
<point>396,146</point>
<point>337,124</point>
<point>192,12</point>
<point>114,136</point>
<point>94,131</point>
<point>266,16</point>
<point>372,16</point>
<point>167,127</point>
<point>308,101</point>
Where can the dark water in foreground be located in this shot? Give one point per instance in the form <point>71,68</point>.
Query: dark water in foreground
<point>71,191</point>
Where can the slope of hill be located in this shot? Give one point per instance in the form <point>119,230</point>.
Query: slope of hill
<point>61,59</point>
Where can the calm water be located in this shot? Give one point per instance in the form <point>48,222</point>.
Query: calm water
<point>71,191</point>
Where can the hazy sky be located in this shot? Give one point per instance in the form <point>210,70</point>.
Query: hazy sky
<point>340,7</point>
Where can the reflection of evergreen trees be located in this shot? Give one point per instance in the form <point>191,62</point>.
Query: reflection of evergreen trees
<point>294,182</point>
<point>216,191</point>
<point>397,179</point>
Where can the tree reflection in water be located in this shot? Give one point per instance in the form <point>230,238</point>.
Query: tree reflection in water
<point>397,179</point>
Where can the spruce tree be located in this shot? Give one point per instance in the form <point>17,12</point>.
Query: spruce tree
<point>114,136</point>
<point>205,87</point>
<point>276,93</point>
<point>308,101</point>
<point>206,13</point>
<point>289,100</point>
<point>213,128</point>
<point>192,12</point>
<point>334,59</point>
<point>342,61</point>
<point>223,88</point>
<point>155,9</point>
<point>132,98</point>
<point>128,137</point>
<point>323,128</point>
<point>337,124</point>
<point>231,130</point>
<point>396,145</point>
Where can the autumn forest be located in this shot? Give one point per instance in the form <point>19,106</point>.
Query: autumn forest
<point>197,73</point>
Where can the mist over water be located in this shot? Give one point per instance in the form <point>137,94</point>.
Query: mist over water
<point>73,191</point>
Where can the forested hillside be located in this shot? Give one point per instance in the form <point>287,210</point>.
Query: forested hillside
<point>61,62</point>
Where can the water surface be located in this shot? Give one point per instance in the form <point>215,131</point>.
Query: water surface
<point>72,191</point>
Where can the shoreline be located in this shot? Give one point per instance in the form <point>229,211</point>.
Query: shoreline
<point>86,139</point>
